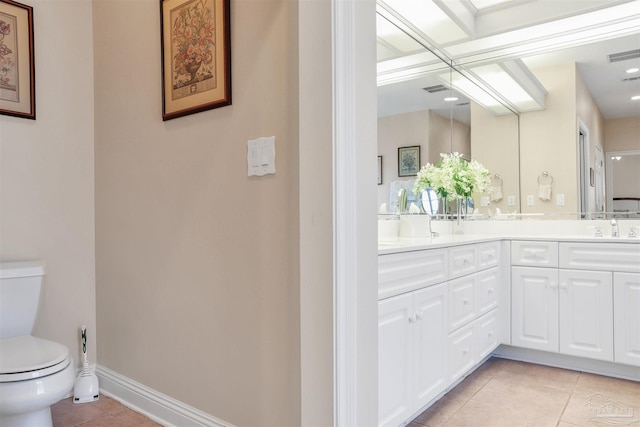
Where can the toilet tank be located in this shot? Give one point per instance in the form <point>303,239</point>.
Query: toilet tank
<point>20,283</point>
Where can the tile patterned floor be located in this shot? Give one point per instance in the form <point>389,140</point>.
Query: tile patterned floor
<point>501,393</point>
<point>104,412</point>
<point>517,394</point>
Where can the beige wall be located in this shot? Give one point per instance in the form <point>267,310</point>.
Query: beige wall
<point>441,140</point>
<point>197,285</point>
<point>622,134</point>
<point>590,116</point>
<point>494,143</point>
<point>47,174</point>
<point>427,129</point>
<point>548,140</point>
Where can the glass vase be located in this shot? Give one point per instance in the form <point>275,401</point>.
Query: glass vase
<point>458,225</point>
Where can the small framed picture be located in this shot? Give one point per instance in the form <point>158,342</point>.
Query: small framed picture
<point>408,160</point>
<point>379,170</point>
<point>17,70</point>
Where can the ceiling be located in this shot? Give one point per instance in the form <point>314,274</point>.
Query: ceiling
<point>480,33</point>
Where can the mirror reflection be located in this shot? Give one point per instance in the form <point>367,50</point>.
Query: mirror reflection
<point>547,92</point>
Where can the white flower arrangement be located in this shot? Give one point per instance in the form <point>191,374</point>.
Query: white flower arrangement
<point>453,177</point>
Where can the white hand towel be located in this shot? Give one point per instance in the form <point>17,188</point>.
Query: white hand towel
<point>544,192</point>
<point>496,193</point>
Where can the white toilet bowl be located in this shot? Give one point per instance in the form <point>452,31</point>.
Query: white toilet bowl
<point>34,373</point>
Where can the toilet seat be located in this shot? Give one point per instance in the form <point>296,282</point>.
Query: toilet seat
<point>28,357</point>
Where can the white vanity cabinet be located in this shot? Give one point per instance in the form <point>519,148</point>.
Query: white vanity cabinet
<point>563,299</point>
<point>412,335</point>
<point>626,321</point>
<point>437,318</point>
<point>474,330</point>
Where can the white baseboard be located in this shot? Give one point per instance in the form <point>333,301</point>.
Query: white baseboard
<point>159,407</point>
<point>591,366</point>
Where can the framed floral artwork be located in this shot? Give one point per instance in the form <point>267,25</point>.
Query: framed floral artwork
<point>17,69</point>
<point>196,56</point>
<point>408,160</point>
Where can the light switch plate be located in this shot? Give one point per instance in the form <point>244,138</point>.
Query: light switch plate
<point>261,156</point>
<point>530,200</point>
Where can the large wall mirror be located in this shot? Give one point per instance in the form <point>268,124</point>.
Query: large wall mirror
<point>543,96</point>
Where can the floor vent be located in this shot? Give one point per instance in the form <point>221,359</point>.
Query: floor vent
<point>623,56</point>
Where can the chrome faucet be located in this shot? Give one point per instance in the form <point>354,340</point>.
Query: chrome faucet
<point>614,228</point>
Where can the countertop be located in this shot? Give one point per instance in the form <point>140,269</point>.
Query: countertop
<point>407,244</point>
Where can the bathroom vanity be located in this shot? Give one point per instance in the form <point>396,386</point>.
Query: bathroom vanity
<point>448,303</point>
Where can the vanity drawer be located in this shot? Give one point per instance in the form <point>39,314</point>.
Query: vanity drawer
<point>624,257</point>
<point>534,253</point>
<point>408,271</point>
<point>488,255</point>
<point>463,260</point>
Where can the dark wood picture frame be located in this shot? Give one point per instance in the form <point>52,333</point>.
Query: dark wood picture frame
<point>408,160</point>
<point>17,67</point>
<point>196,56</point>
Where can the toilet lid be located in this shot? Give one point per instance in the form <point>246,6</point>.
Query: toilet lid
<point>28,357</point>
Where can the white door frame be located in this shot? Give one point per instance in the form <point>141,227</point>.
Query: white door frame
<point>355,219</point>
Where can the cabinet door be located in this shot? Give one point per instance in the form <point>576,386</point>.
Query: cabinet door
<point>586,314</point>
<point>462,306</point>
<point>534,308</point>
<point>487,334</point>
<point>394,359</point>
<point>626,295</point>
<point>462,352</point>
<point>487,290</point>
<point>430,338</point>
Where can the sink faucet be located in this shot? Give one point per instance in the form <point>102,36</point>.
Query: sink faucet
<point>614,228</point>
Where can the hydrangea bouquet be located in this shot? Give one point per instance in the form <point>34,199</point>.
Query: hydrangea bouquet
<point>453,177</point>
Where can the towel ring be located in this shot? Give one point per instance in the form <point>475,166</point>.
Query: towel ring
<point>545,177</point>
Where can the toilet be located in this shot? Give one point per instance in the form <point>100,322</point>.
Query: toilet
<point>34,373</point>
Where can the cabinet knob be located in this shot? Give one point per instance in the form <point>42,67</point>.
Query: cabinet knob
<point>465,302</point>
<point>490,291</point>
<point>419,315</point>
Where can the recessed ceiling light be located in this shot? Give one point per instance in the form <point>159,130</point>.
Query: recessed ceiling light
<point>635,98</point>
<point>632,70</point>
<point>451,98</point>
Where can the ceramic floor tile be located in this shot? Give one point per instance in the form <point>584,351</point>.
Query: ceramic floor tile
<point>440,412</point>
<point>521,403</point>
<point>600,400</point>
<point>478,413</point>
<point>562,379</point>
<point>613,388</point>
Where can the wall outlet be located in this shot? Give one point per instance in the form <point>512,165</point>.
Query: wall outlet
<point>511,201</point>
<point>484,201</point>
<point>530,200</point>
